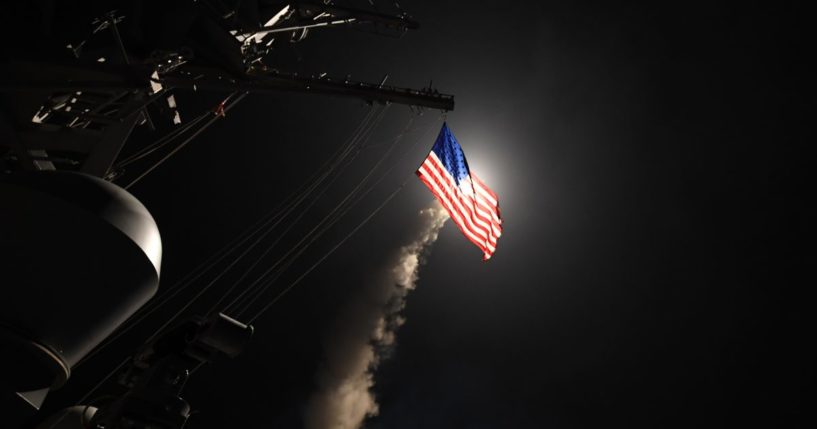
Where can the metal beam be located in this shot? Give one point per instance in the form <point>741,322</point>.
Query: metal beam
<point>324,86</point>
<point>137,78</point>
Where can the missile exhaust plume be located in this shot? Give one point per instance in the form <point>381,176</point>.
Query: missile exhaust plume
<point>364,336</point>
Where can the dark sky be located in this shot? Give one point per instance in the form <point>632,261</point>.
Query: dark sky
<point>649,165</point>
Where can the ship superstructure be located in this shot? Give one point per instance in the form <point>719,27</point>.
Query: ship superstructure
<point>68,113</point>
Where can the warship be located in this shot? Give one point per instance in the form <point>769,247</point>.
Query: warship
<point>71,100</point>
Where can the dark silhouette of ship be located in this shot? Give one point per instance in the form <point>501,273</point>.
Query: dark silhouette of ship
<point>73,86</point>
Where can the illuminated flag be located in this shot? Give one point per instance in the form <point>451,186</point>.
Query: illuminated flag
<point>469,202</point>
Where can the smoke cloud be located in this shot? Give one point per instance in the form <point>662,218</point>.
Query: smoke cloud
<point>365,335</point>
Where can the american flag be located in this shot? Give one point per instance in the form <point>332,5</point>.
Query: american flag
<point>468,200</point>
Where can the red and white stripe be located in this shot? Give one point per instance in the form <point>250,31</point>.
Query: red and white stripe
<point>472,205</point>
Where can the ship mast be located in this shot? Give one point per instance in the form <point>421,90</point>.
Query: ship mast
<point>78,115</point>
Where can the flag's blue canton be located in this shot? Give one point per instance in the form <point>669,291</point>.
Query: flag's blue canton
<point>450,154</point>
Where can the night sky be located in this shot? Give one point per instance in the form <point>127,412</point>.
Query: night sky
<point>652,271</point>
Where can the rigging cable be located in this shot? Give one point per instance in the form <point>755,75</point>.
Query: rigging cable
<point>312,235</point>
<point>207,287</point>
<point>292,223</point>
<point>257,289</point>
<point>265,221</point>
<point>161,142</point>
<point>294,283</point>
<point>166,139</point>
<point>277,297</point>
<point>187,140</point>
<point>329,253</point>
<point>84,397</point>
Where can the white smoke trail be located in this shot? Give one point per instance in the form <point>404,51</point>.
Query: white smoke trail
<point>366,332</point>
